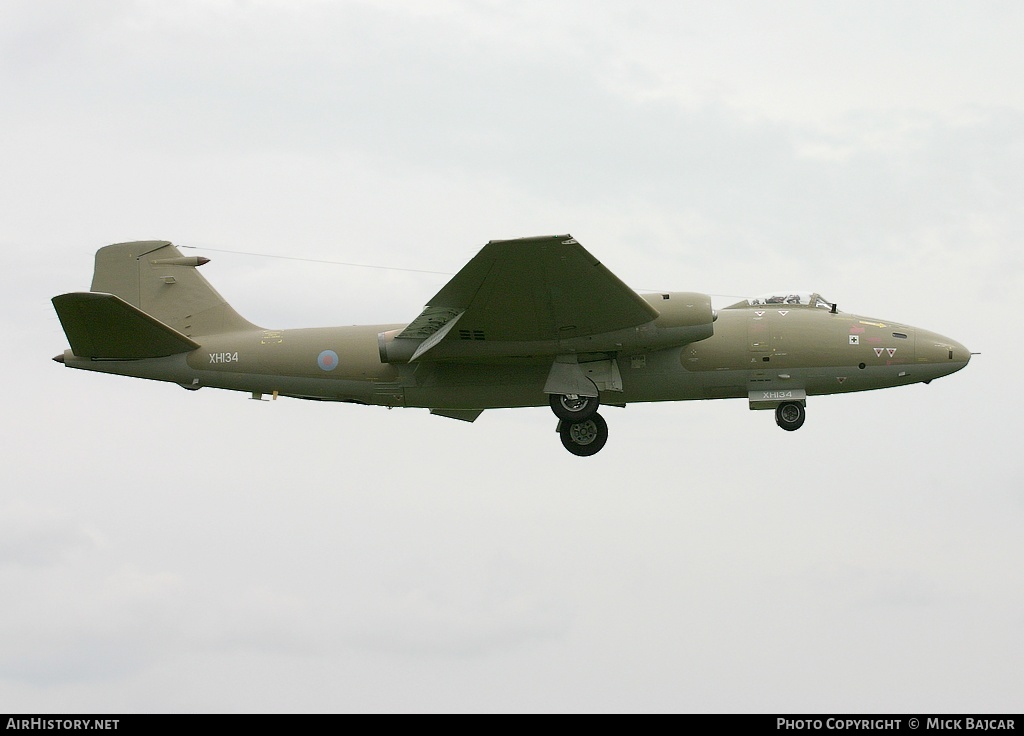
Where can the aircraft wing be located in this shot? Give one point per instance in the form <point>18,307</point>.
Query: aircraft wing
<point>531,289</point>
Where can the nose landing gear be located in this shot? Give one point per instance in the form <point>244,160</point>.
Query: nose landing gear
<point>790,416</point>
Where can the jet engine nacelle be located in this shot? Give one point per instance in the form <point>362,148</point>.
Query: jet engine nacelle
<point>682,309</point>
<point>395,351</point>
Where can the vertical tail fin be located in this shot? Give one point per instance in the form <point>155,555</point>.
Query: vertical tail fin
<point>153,275</point>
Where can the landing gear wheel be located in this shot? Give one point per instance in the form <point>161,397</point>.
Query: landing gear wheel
<point>584,437</point>
<point>790,416</point>
<point>574,407</point>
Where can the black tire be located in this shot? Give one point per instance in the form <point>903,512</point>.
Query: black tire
<point>573,407</point>
<point>585,437</point>
<point>790,416</point>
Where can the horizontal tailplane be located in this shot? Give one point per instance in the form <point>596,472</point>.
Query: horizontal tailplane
<point>105,327</point>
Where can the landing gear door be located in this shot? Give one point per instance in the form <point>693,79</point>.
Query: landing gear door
<point>770,398</point>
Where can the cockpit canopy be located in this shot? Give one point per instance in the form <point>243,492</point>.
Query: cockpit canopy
<point>785,298</point>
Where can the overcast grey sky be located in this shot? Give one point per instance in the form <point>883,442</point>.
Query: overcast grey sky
<point>163,550</point>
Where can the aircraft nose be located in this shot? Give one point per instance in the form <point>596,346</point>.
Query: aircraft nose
<point>939,350</point>
<point>960,353</point>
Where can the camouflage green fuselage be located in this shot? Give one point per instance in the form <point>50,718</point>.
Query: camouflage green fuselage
<point>771,348</point>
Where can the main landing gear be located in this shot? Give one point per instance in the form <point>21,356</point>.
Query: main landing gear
<point>582,429</point>
<point>574,407</point>
<point>584,437</point>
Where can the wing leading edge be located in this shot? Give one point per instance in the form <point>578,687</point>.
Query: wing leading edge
<point>527,290</point>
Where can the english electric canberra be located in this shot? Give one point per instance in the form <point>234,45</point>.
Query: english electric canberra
<point>528,322</point>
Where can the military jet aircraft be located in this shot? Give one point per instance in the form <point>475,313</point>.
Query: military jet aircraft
<point>528,322</point>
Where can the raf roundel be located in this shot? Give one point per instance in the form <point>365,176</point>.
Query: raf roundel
<point>327,360</point>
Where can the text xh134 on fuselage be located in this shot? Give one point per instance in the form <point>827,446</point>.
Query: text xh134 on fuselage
<point>528,322</point>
